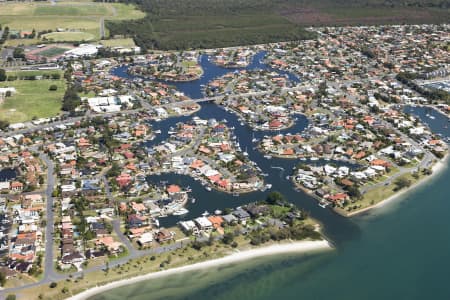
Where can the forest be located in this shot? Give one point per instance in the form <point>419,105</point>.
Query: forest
<point>193,24</point>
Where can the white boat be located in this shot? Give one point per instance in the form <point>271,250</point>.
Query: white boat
<point>193,200</point>
<point>268,156</point>
<point>217,212</point>
<point>158,131</point>
<point>242,123</point>
<point>208,188</point>
<point>268,186</point>
<point>314,158</point>
<point>255,140</point>
<point>180,212</point>
<point>206,213</point>
<point>431,117</point>
<point>171,132</point>
<point>245,153</point>
<point>323,204</point>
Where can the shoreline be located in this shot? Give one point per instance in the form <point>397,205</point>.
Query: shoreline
<point>275,249</point>
<point>437,168</point>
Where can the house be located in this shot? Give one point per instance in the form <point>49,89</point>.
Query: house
<point>229,219</point>
<point>216,221</point>
<point>145,239</point>
<point>203,223</point>
<point>73,258</point>
<point>164,235</point>
<point>241,214</point>
<point>134,221</point>
<point>16,186</point>
<point>189,227</point>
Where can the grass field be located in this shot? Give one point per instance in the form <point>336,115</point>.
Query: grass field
<point>33,73</point>
<point>33,99</point>
<point>128,42</point>
<point>81,16</point>
<point>68,36</point>
<point>53,51</point>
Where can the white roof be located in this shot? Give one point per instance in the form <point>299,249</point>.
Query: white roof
<point>203,222</point>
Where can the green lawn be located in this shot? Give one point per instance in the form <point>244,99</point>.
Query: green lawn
<point>53,51</point>
<point>75,36</point>
<point>33,99</point>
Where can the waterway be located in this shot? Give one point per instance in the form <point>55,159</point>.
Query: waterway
<point>399,251</point>
<point>7,174</point>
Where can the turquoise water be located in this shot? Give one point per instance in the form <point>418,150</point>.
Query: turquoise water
<point>402,253</point>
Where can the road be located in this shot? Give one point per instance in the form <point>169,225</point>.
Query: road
<point>102,28</point>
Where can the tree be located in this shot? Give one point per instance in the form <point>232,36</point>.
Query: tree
<point>71,100</point>
<point>4,124</point>
<point>2,279</point>
<point>275,198</point>
<point>401,183</point>
<point>53,87</point>
<point>53,285</point>
<point>3,75</point>
<point>11,297</point>
<point>19,53</point>
<point>228,238</point>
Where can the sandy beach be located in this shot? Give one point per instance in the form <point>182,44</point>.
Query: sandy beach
<point>293,247</point>
<point>437,168</point>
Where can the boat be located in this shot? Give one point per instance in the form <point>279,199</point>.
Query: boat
<point>171,132</point>
<point>235,194</point>
<point>242,123</point>
<point>314,158</point>
<point>245,153</point>
<point>323,204</point>
<point>208,188</point>
<point>217,212</point>
<point>193,200</point>
<point>180,212</point>
<point>431,117</point>
<point>158,131</point>
<point>268,186</point>
<point>268,156</point>
<point>205,214</point>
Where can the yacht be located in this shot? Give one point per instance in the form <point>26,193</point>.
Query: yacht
<point>268,186</point>
<point>205,214</point>
<point>193,200</point>
<point>180,212</point>
<point>314,158</point>
<point>268,156</point>
<point>217,212</point>
<point>158,131</point>
<point>208,188</point>
<point>245,153</point>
